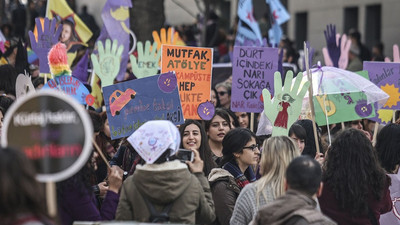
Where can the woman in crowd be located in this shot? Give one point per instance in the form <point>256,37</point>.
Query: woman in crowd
<point>108,147</point>
<point>22,198</point>
<point>224,94</point>
<point>298,135</point>
<point>232,117</point>
<point>163,183</point>
<point>388,148</point>
<point>310,148</point>
<point>356,188</point>
<point>277,153</point>
<point>76,200</point>
<point>216,129</point>
<point>243,118</point>
<point>214,98</point>
<point>240,152</point>
<point>193,136</point>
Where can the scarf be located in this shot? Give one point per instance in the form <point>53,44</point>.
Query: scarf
<point>240,178</point>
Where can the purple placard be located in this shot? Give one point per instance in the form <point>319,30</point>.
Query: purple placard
<point>387,77</point>
<point>253,70</point>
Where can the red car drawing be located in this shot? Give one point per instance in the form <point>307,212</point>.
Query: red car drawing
<point>119,99</point>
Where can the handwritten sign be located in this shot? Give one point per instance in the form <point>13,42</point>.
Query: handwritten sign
<point>387,77</point>
<point>130,104</point>
<point>344,106</point>
<point>70,86</point>
<point>193,70</point>
<point>253,70</point>
<point>56,131</point>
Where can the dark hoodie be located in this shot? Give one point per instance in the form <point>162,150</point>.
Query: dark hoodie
<point>162,184</point>
<point>292,208</point>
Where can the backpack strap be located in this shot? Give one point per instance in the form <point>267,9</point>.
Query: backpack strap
<point>156,216</point>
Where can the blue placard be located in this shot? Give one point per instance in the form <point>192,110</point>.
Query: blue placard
<point>69,85</point>
<point>130,104</point>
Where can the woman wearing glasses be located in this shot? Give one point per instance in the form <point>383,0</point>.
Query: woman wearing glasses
<point>240,152</point>
<point>224,94</point>
<point>278,152</point>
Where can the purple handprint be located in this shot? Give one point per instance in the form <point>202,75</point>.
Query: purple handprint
<point>332,44</point>
<point>47,37</point>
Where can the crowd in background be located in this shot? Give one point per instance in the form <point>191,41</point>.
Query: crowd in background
<point>238,176</point>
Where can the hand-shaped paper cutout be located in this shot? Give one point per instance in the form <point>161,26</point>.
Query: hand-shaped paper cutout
<point>166,38</point>
<point>396,55</point>
<point>310,55</point>
<point>147,62</point>
<point>344,52</point>
<point>284,109</point>
<point>332,44</point>
<point>108,64</point>
<point>47,37</point>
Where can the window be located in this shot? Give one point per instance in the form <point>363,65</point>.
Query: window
<point>301,29</point>
<point>373,25</point>
<point>350,19</point>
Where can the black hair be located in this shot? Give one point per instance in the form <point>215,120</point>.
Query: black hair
<point>233,142</point>
<point>8,76</point>
<point>310,148</point>
<point>353,172</point>
<point>299,132</point>
<point>96,121</point>
<point>20,192</point>
<point>204,150</point>
<point>291,100</point>
<point>219,112</point>
<point>232,115</point>
<point>304,174</point>
<point>5,103</point>
<point>388,147</point>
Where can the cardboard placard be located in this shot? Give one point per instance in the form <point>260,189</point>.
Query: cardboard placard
<point>387,77</point>
<point>53,131</point>
<point>193,68</point>
<point>130,104</point>
<point>253,70</point>
<point>70,86</point>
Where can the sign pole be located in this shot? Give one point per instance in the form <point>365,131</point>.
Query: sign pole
<point>252,122</point>
<point>51,198</point>
<point>310,97</point>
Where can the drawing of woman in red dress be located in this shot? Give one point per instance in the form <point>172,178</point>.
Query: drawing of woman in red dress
<point>282,117</point>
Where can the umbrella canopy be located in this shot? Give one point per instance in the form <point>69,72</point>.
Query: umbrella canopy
<point>341,95</point>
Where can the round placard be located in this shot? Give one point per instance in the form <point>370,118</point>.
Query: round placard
<point>53,130</point>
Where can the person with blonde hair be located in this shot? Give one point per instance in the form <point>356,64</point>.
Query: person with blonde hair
<point>277,153</point>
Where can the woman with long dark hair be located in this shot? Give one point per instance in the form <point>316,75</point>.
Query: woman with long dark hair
<point>21,196</point>
<point>388,148</point>
<point>240,152</point>
<point>216,129</point>
<point>193,136</point>
<point>356,188</point>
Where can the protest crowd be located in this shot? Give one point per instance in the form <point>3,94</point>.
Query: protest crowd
<point>175,141</point>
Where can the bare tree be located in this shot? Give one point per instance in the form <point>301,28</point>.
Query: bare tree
<point>146,16</point>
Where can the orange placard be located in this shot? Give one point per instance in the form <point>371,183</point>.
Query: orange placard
<point>193,68</point>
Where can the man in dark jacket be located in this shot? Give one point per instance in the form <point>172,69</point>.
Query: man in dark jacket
<point>297,206</point>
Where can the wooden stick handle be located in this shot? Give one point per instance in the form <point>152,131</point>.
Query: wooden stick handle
<point>310,98</point>
<point>51,199</point>
<point>101,153</point>
<point>252,122</point>
<point>375,133</point>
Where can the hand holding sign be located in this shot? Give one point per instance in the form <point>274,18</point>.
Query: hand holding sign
<point>146,64</point>
<point>284,109</point>
<point>46,39</point>
<point>108,64</point>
